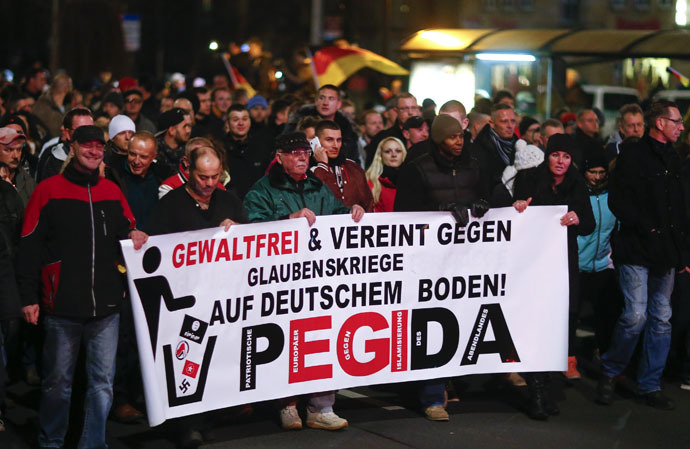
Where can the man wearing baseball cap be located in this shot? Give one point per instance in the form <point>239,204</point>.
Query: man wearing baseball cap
<point>11,144</point>
<point>415,130</point>
<point>69,251</point>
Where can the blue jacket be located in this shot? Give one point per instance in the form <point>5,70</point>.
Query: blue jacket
<point>594,250</point>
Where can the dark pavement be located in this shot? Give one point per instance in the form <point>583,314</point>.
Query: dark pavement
<point>488,415</point>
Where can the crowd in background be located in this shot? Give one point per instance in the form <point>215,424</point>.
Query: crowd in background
<point>158,158</point>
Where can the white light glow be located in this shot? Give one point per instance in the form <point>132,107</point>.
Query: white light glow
<point>443,81</point>
<point>442,39</point>
<point>681,12</point>
<point>279,74</point>
<point>506,57</point>
<point>213,46</point>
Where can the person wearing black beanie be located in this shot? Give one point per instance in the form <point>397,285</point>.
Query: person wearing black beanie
<point>557,182</point>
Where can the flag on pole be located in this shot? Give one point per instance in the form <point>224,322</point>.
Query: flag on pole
<point>237,81</point>
<point>333,65</point>
<point>684,80</point>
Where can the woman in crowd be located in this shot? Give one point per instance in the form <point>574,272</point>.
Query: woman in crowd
<point>383,173</point>
<point>556,182</point>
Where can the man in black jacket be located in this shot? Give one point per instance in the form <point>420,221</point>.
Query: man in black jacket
<point>646,196</point>
<point>70,249</point>
<point>447,178</point>
<point>494,146</point>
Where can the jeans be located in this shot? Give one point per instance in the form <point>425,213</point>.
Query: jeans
<point>64,337</point>
<point>432,392</point>
<point>647,306</point>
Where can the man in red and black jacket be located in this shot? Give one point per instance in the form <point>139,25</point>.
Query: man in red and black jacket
<point>69,252</point>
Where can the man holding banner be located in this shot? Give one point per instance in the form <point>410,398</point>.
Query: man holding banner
<point>290,190</point>
<point>198,204</point>
<point>446,178</point>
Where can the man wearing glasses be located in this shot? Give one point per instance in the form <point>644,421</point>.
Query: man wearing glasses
<point>646,196</point>
<point>134,100</point>
<point>290,190</point>
<point>11,143</point>
<point>406,107</point>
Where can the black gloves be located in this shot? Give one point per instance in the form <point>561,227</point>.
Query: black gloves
<point>480,208</point>
<point>459,212</point>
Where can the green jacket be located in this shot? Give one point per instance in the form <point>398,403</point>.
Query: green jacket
<point>276,196</point>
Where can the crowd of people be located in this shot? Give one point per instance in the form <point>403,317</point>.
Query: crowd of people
<point>83,170</point>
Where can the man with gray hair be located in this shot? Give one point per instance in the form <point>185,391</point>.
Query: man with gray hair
<point>630,124</point>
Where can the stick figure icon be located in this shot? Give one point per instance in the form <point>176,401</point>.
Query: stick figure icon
<point>152,289</point>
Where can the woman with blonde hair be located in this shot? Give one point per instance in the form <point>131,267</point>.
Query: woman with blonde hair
<point>382,174</point>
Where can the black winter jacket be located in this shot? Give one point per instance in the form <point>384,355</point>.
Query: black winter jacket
<point>536,183</point>
<point>11,212</point>
<point>646,195</point>
<point>69,250</point>
<point>431,182</point>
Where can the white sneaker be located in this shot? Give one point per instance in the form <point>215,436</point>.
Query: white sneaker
<point>289,418</point>
<point>326,421</point>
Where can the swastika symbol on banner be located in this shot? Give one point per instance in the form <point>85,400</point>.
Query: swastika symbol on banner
<point>184,386</point>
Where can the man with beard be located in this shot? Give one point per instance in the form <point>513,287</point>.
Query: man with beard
<point>174,130</point>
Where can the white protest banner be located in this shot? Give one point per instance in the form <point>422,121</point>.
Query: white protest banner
<point>281,309</point>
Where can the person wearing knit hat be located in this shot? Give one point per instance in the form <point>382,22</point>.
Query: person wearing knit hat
<point>561,142</point>
<point>112,103</point>
<point>529,129</point>
<point>557,182</point>
<point>258,110</point>
<point>443,179</point>
<point>443,127</point>
<point>120,131</point>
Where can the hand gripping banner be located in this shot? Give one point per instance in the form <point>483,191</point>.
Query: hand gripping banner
<point>280,309</point>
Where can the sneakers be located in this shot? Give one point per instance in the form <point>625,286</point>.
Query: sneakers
<point>325,421</point>
<point>685,384</point>
<point>605,390</point>
<point>657,400</point>
<point>436,413</point>
<point>289,418</point>
<point>515,380</point>
<point>572,372</point>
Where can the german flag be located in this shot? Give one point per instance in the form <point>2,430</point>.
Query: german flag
<point>237,81</point>
<point>333,65</point>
